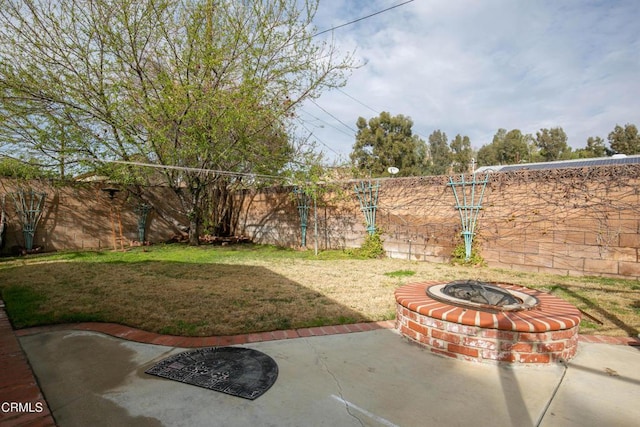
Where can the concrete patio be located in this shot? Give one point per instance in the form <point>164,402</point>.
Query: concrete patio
<point>371,378</point>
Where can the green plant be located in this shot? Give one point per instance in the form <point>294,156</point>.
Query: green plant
<point>372,247</point>
<point>458,256</point>
<point>400,273</point>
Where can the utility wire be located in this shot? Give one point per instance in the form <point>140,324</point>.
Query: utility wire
<point>316,137</point>
<point>334,117</point>
<point>414,131</point>
<point>327,123</point>
<point>362,19</point>
<point>190,169</point>
<point>359,102</point>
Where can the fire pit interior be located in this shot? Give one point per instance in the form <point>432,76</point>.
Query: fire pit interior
<point>482,295</point>
<point>488,322</point>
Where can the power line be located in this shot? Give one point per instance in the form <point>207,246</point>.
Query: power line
<point>363,18</point>
<point>328,124</point>
<point>316,137</point>
<point>199,170</point>
<point>359,102</point>
<point>334,117</point>
<point>415,131</point>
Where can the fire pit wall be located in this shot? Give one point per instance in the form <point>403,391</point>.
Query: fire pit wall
<point>542,335</point>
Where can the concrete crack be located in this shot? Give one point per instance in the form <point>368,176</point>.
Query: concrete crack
<point>335,379</point>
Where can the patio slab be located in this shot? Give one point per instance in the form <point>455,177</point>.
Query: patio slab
<point>373,378</point>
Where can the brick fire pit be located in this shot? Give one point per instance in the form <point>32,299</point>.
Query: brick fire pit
<point>543,334</point>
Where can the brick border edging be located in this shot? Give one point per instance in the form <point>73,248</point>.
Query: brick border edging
<point>138,335</point>
<point>18,383</point>
<point>603,339</point>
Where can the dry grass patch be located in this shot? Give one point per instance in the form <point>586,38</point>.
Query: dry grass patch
<point>221,291</point>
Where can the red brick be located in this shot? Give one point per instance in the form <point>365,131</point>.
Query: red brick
<point>290,333</point>
<point>279,335</point>
<point>462,329</point>
<point>534,358</point>
<point>431,322</point>
<point>304,332</point>
<point>353,328</point>
<point>563,334</point>
<point>266,336</point>
<point>444,353</point>
<point>234,339</point>
<point>365,326</point>
<point>501,335</point>
<point>445,336</point>
<point>550,347</point>
<point>409,332</point>
<point>536,337</point>
<point>500,356</point>
<point>31,419</point>
<point>436,343</point>
<point>317,331</point>
<point>409,314</point>
<point>164,340</point>
<point>329,330</point>
<point>569,353</point>
<point>517,347</point>
<point>386,324</point>
<point>418,327</point>
<point>479,343</point>
<point>455,348</point>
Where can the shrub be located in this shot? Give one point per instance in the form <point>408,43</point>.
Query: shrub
<point>372,247</point>
<point>459,253</point>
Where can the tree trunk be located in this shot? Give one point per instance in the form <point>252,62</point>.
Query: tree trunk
<point>190,201</point>
<point>194,233</point>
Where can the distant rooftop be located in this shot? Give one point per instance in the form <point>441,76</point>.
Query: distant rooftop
<point>617,159</point>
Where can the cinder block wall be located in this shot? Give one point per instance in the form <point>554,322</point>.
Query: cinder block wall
<point>568,221</point>
<point>83,216</point>
<point>565,221</point>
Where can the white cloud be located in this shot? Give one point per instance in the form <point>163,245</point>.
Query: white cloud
<point>472,67</point>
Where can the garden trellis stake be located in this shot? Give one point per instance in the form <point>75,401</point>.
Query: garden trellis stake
<point>3,222</point>
<point>302,199</point>
<point>468,204</point>
<point>142,210</point>
<point>29,209</point>
<point>368,197</point>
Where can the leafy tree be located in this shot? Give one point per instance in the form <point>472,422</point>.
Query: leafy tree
<point>625,140</point>
<point>506,148</point>
<point>440,157</point>
<point>207,88</point>
<point>595,148</point>
<point>15,168</point>
<point>461,153</point>
<point>488,155</point>
<point>553,144</point>
<point>386,141</point>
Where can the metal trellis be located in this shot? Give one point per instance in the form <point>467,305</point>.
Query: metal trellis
<point>302,199</point>
<point>468,205</point>
<point>3,222</point>
<point>29,208</point>
<point>367,193</point>
<point>142,210</point>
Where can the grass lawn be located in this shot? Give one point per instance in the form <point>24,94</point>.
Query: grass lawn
<point>207,290</point>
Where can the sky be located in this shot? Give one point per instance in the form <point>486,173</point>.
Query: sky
<point>472,67</point>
